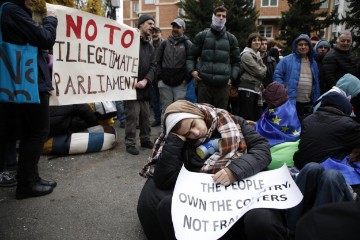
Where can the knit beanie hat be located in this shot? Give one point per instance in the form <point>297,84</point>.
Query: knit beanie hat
<point>338,101</point>
<point>349,84</point>
<point>173,118</point>
<point>275,94</point>
<point>322,43</point>
<point>144,18</point>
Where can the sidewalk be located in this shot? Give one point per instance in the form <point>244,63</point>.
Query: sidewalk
<point>96,198</point>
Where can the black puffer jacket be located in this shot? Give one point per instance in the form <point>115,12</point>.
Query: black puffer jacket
<point>336,63</point>
<point>18,27</point>
<point>176,152</point>
<point>147,68</point>
<point>215,57</point>
<point>326,133</point>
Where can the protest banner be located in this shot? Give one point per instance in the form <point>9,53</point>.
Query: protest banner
<point>203,209</point>
<point>95,59</point>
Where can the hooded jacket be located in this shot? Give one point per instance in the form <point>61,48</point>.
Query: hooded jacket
<point>216,57</point>
<point>18,27</point>
<point>287,71</point>
<point>326,133</point>
<point>254,70</point>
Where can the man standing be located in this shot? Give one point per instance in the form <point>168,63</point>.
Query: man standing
<point>298,72</point>
<point>322,47</point>
<point>340,60</point>
<point>139,109</point>
<point>155,95</point>
<point>171,64</point>
<point>213,61</point>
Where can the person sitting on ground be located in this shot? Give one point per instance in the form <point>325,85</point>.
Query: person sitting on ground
<point>69,119</point>
<point>243,153</point>
<point>329,132</point>
<point>349,86</point>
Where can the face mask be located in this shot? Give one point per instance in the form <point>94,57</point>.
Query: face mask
<point>218,23</point>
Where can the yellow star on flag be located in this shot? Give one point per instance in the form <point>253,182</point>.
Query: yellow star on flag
<point>295,133</point>
<point>284,128</point>
<point>271,110</point>
<point>276,120</point>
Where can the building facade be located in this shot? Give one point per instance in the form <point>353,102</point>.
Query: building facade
<point>164,11</point>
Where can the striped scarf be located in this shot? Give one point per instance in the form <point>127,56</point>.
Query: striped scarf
<point>232,140</point>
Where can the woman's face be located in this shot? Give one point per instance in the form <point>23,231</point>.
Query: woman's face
<point>255,44</point>
<point>192,128</point>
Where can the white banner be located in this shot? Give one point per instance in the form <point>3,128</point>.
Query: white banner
<point>95,58</point>
<point>202,209</point>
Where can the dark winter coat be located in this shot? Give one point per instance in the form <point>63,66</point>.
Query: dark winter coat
<point>18,27</point>
<point>336,63</point>
<point>215,57</point>
<point>71,118</point>
<point>326,133</point>
<point>171,60</point>
<point>176,152</point>
<point>147,68</point>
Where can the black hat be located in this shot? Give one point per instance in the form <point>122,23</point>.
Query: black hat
<point>338,101</point>
<point>157,29</point>
<point>144,18</point>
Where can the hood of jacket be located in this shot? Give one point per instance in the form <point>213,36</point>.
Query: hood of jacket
<point>20,3</point>
<point>349,84</point>
<point>305,37</point>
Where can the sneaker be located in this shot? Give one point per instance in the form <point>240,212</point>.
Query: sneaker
<point>6,180</point>
<point>155,123</point>
<point>147,144</point>
<point>122,125</point>
<point>132,150</point>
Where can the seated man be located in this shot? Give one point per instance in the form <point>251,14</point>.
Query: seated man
<point>243,153</point>
<point>329,132</point>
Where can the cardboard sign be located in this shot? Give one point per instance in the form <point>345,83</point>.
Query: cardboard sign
<point>202,209</point>
<point>95,58</point>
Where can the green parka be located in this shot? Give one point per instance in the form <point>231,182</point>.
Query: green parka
<point>214,56</point>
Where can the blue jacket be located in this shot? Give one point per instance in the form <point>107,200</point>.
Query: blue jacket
<point>287,71</point>
<point>18,27</point>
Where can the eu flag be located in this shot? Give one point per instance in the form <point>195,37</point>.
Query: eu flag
<point>279,124</point>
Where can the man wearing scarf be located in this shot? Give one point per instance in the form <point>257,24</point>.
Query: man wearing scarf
<point>213,61</point>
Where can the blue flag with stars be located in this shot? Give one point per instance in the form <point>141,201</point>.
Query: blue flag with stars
<point>279,124</point>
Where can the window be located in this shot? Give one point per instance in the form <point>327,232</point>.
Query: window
<point>149,1</point>
<point>324,4</point>
<point>266,31</point>
<point>269,3</point>
<point>136,7</point>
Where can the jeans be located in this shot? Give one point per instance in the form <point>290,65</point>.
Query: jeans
<point>120,111</point>
<point>319,187</point>
<point>169,94</point>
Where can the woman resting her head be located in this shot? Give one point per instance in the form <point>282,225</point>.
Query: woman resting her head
<point>242,153</point>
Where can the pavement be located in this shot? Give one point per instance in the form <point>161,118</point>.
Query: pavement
<point>96,198</point>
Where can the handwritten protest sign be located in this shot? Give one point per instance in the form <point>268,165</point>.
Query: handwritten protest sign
<point>202,209</point>
<point>95,58</point>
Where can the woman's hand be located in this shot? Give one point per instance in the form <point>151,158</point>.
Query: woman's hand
<point>225,177</point>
